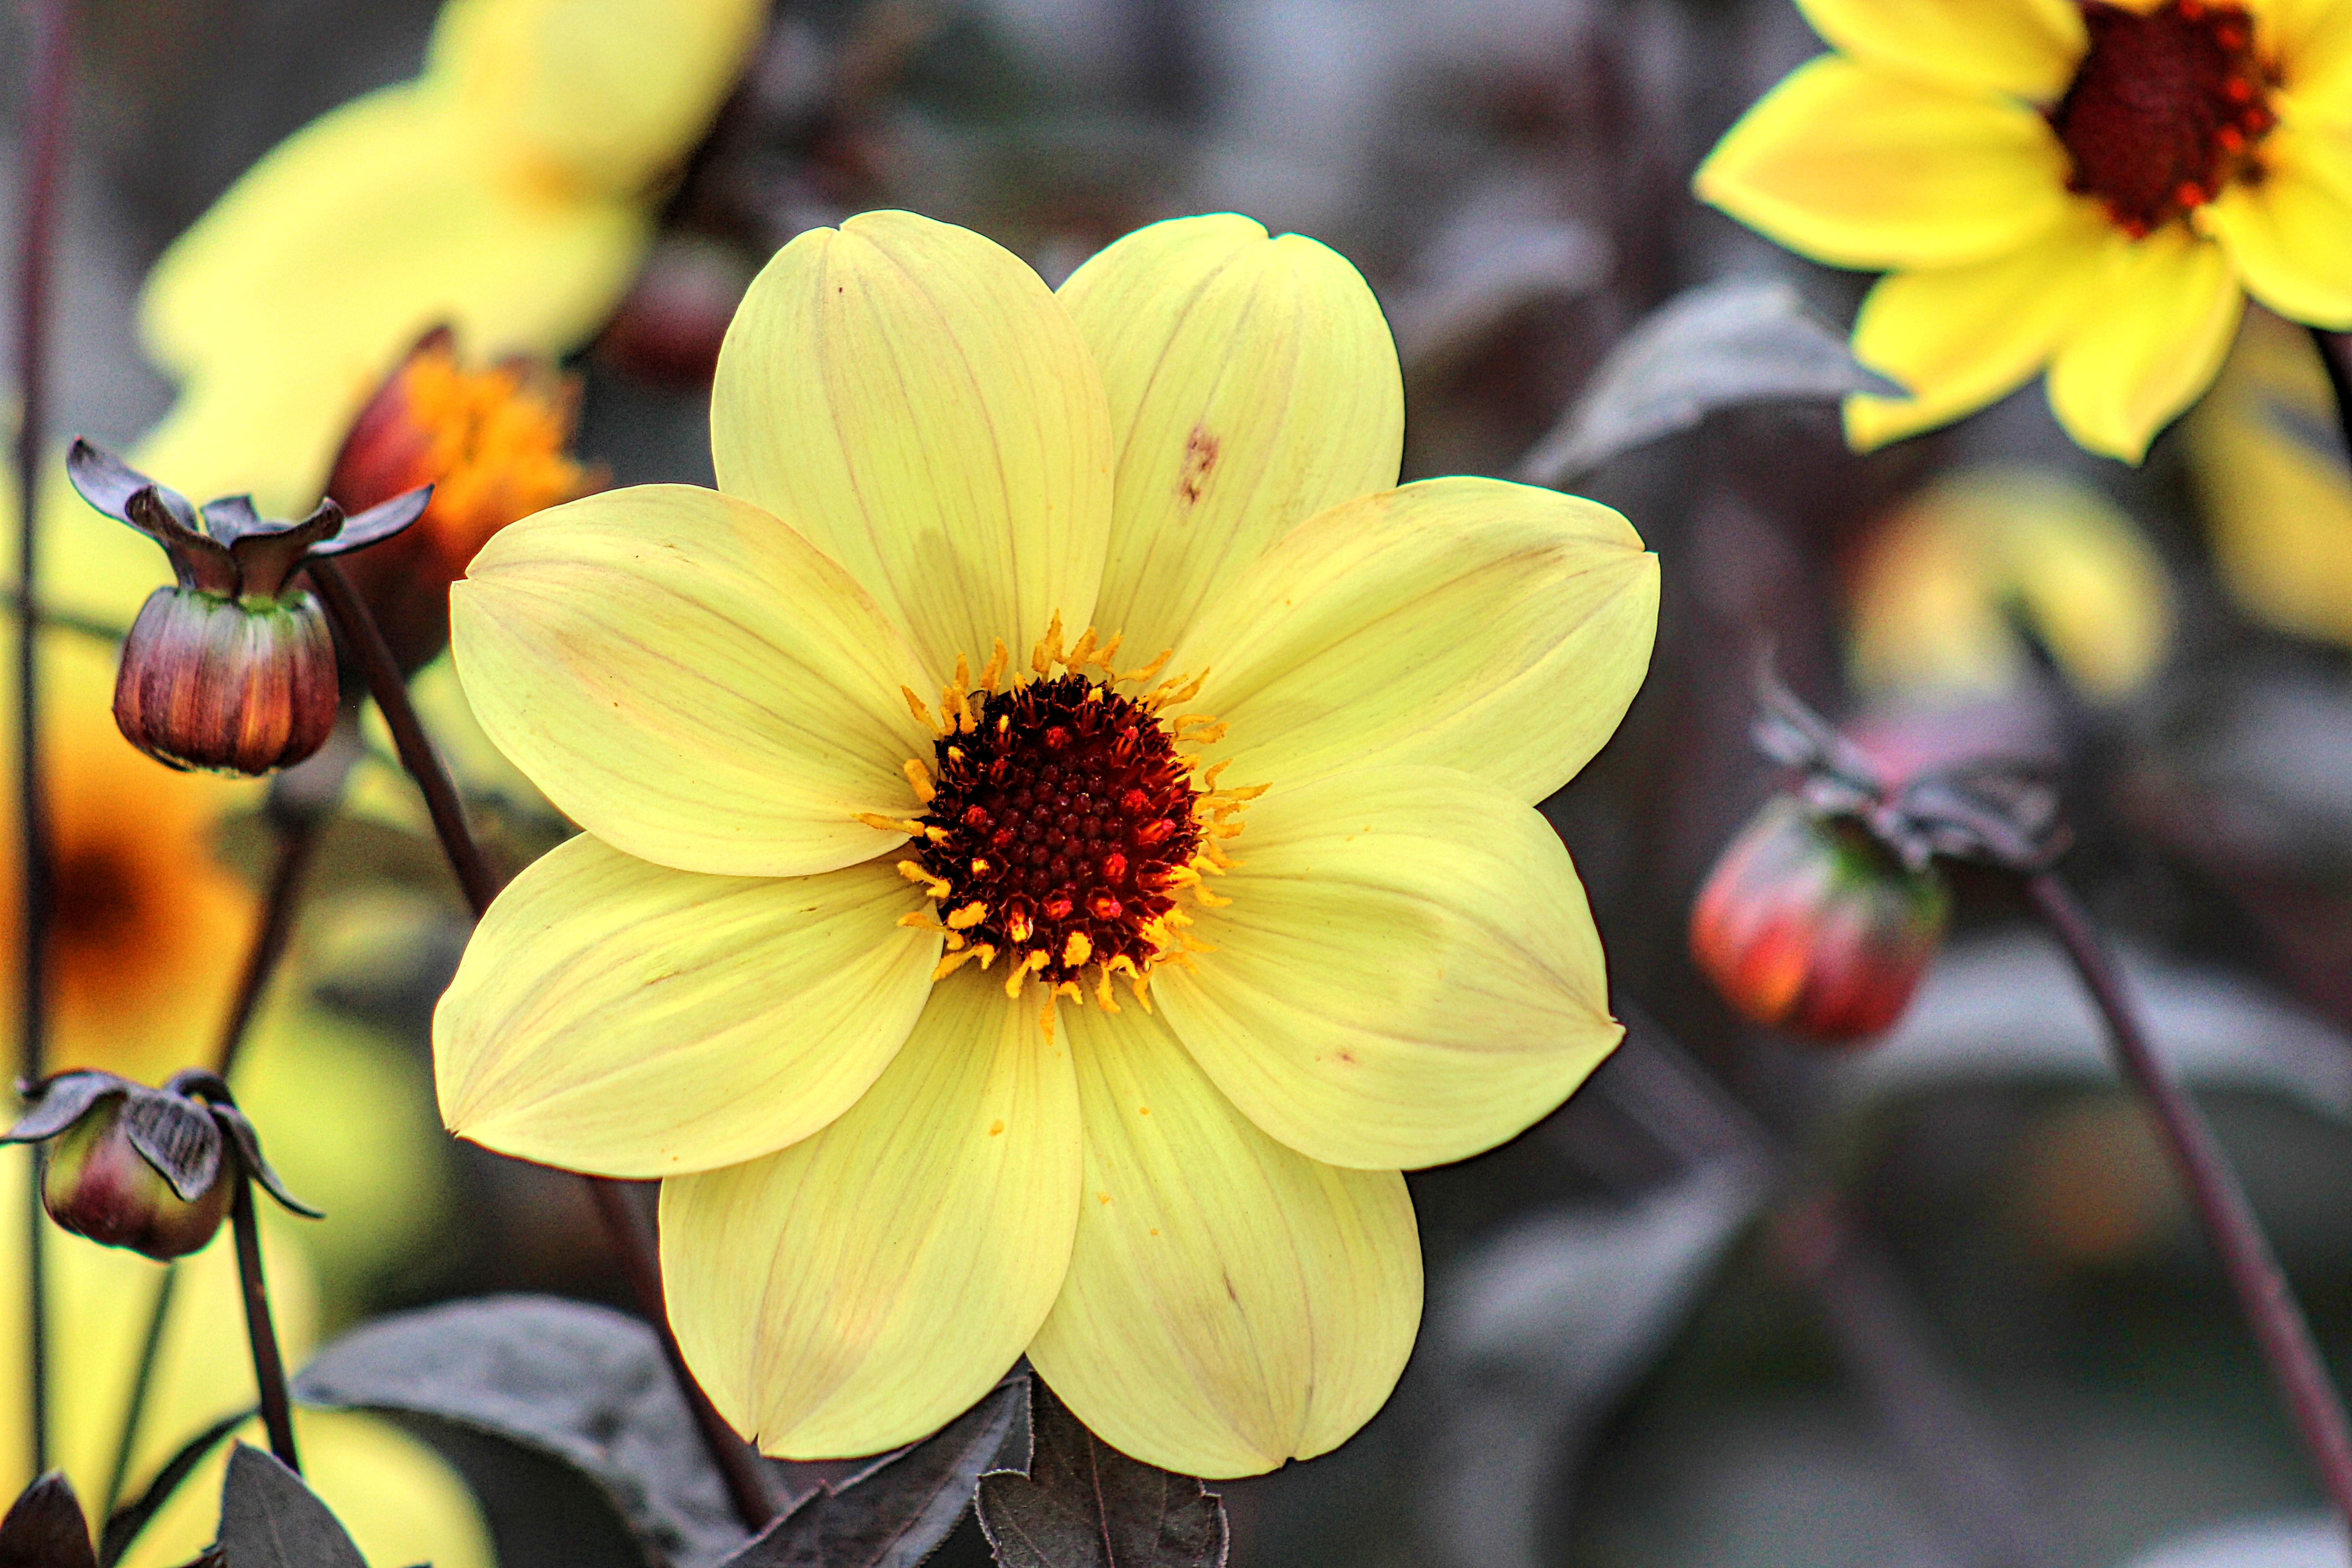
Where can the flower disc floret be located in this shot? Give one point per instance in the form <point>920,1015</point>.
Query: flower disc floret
<point>2165,109</point>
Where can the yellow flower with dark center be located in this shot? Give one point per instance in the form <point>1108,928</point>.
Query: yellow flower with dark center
<point>2088,188</point>
<point>981,987</point>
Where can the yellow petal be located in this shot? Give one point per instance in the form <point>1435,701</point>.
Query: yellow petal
<point>1252,383</point>
<point>1407,974</point>
<point>2290,236</point>
<point>2310,41</point>
<point>1231,1303</point>
<point>857,1289</point>
<point>691,681</point>
<point>2151,335</point>
<point>600,95</point>
<point>1494,627</point>
<point>2026,49</point>
<point>911,397</point>
<point>617,1016</point>
<point>1962,337</point>
<point>284,306</point>
<point>400,1500</point>
<point>1860,167</point>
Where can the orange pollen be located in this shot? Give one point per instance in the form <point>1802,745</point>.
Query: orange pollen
<point>2166,110</point>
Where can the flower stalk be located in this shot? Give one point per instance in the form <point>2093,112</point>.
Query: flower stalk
<point>2218,1199</point>
<point>43,144</point>
<point>269,1363</point>
<point>624,1227</point>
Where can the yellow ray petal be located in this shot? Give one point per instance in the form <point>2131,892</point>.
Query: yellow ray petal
<point>691,682</point>
<point>2024,48</point>
<point>593,95</point>
<point>2290,236</point>
<point>857,1289</point>
<point>911,397</point>
<point>1231,1302</point>
<point>399,1499</point>
<point>617,1016</point>
<point>2150,338</point>
<point>1407,974</point>
<point>286,303</point>
<point>1252,383</point>
<point>1860,167</point>
<point>1494,627</point>
<point>1961,337</point>
<point>2310,41</point>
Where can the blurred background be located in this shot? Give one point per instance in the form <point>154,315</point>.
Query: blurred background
<point>1744,1302</point>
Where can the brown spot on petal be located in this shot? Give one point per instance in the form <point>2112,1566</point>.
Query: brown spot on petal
<point>1200,451</point>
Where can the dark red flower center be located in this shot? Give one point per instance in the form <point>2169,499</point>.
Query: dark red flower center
<point>2165,110</point>
<point>1062,825</point>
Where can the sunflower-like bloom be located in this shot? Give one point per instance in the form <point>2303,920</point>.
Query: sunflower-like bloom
<point>507,193</point>
<point>984,983</point>
<point>2088,187</point>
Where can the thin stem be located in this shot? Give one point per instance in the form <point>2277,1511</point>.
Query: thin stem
<point>739,1466</point>
<point>2218,1200</point>
<point>360,635</point>
<point>2336,356</point>
<point>43,141</point>
<point>149,1350</point>
<point>298,841</point>
<point>268,1365</point>
<point>632,1239</point>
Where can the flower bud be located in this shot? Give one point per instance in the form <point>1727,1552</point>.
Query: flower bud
<point>232,669</point>
<point>491,443</point>
<point>1808,923</point>
<point>228,684</point>
<point>98,1185</point>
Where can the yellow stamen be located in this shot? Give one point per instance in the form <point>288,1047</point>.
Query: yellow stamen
<point>918,779</point>
<point>882,823</point>
<point>956,961</point>
<point>1022,971</point>
<point>1077,951</point>
<point>995,670</point>
<point>915,706</point>
<point>932,886</point>
<point>970,915</point>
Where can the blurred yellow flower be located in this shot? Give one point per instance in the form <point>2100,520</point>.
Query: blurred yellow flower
<point>841,749</point>
<point>400,1501</point>
<point>2092,188</point>
<point>1933,591</point>
<point>507,193</point>
<point>2269,462</point>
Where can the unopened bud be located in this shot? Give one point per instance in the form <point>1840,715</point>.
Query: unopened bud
<point>231,669</point>
<point>491,443</point>
<point>1811,924</point>
<point>98,1185</point>
<point>153,1170</point>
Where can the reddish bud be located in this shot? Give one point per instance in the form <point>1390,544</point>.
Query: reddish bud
<point>227,685</point>
<point>491,443</point>
<point>96,1185</point>
<point>669,328</point>
<point>1808,924</point>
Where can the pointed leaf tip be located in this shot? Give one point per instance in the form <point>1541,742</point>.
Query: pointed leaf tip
<point>270,1519</point>
<point>45,1528</point>
<point>1084,1504</point>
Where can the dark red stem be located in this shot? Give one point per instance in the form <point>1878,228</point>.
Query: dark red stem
<point>44,141</point>
<point>2219,1201</point>
<point>268,1365</point>
<point>632,1239</point>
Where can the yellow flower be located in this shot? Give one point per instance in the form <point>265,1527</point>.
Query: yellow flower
<point>891,945</point>
<point>2278,495</point>
<point>2091,188</point>
<point>400,1501</point>
<point>1934,593</point>
<point>508,193</point>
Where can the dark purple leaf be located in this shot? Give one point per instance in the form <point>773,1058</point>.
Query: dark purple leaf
<point>177,1137</point>
<point>1084,1504</point>
<point>59,1102</point>
<point>45,1528</point>
<point>379,522</point>
<point>270,1519</point>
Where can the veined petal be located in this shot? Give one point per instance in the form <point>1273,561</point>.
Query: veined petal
<point>854,1291</point>
<point>2290,236</point>
<point>1860,167</point>
<point>913,397</point>
<point>422,232</point>
<point>2024,48</point>
<point>1407,974</point>
<point>1231,1303</point>
<point>617,1016</point>
<point>1494,627</point>
<point>1961,337</point>
<point>691,681</point>
<point>2151,337</point>
<point>1252,383</point>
